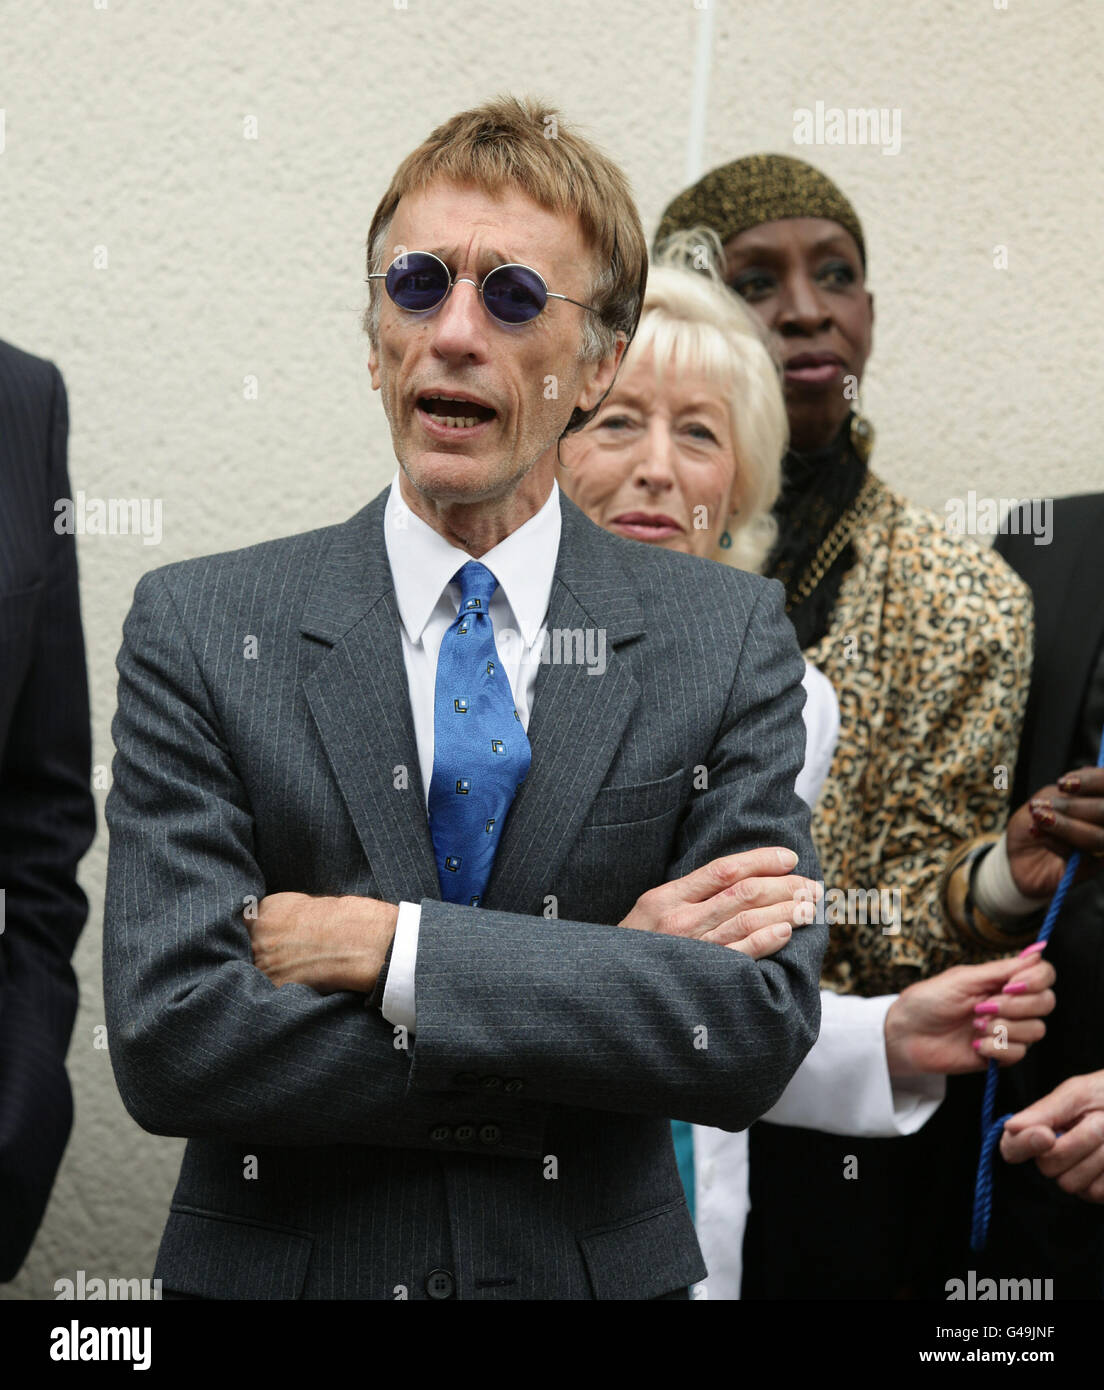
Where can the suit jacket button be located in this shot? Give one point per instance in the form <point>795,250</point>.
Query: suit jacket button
<point>440,1284</point>
<point>465,1134</point>
<point>439,1133</point>
<point>489,1134</point>
<point>514,1085</point>
<point>465,1078</point>
<point>491,1083</point>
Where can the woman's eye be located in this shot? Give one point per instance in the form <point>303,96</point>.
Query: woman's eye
<point>838,273</point>
<point>702,432</point>
<point>614,422</point>
<point>753,284</point>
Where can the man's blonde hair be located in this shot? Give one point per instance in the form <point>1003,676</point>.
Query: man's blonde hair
<point>512,143</point>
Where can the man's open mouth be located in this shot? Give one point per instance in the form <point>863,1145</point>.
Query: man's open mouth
<point>455,412</point>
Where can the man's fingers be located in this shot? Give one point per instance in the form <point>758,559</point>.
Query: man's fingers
<point>774,861</point>
<point>1079,1144</point>
<point>1065,1104</point>
<point>1085,1179</point>
<point>1028,1143</point>
<point>742,900</point>
<point>763,942</point>
<point>747,923</point>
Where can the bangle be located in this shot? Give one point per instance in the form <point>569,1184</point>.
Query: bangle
<point>958,898</point>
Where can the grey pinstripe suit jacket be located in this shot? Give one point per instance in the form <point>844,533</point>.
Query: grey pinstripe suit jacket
<point>520,1143</point>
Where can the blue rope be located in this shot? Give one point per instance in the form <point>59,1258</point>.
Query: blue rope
<point>991,1129</point>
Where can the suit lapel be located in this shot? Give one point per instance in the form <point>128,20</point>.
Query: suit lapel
<point>578,719</point>
<point>359,701</point>
<point>358,698</point>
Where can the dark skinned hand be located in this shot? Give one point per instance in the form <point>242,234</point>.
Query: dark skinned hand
<point>1046,830</point>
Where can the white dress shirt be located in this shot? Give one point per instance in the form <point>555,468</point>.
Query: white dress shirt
<point>422,565</point>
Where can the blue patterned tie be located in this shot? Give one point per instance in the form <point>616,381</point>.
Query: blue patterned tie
<point>480,753</point>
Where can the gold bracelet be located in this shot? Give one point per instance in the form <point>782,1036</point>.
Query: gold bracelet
<point>959,904</point>
<point>955,889</point>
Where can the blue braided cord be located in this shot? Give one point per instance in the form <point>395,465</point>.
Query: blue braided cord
<point>991,1129</point>
<point>983,1187</point>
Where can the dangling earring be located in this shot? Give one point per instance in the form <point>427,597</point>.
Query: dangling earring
<point>726,539</point>
<point>862,431</point>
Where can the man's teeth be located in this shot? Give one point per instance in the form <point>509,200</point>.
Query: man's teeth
<point>454,421</point>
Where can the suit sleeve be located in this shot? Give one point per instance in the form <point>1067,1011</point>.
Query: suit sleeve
<point>47,821</point>
<point>622,1020</point>
<point>202,1043</point>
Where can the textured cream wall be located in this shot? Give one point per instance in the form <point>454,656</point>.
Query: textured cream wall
<point>229,257</point>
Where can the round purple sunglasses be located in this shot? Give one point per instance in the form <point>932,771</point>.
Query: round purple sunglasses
<point>419,281</point>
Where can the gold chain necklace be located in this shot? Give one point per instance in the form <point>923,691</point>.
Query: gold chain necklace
<point>833,543</point>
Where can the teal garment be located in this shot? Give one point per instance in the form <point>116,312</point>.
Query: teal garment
<point>683,1135</point>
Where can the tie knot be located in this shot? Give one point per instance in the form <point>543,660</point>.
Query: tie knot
<point>477,584</point>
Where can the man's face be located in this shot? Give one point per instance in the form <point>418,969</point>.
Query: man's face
<point>519,382</point>
<point>658,461</point>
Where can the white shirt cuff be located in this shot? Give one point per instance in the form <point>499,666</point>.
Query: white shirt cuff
<point>398,993</point>
<point>844,1086</point>
<point>995,890</point>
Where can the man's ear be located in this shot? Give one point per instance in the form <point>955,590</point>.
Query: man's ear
<point>373,367</point>
<point>601,375</point>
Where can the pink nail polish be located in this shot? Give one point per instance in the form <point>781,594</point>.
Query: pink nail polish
<point>1017,988</point>
<point>977,1044</point>
<point>981,1024</point>
<point>1034,948</point>
<point>989,1008</point>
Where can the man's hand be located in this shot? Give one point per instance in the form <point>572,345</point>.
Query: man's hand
<point>327,943</point>
<point>1076,1156</point>
<point>962,1017</point>
<point>1044,832</point>
<point>748,902</point>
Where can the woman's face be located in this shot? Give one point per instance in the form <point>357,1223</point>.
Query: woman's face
<point>803,277</point>
<point>658,462</point>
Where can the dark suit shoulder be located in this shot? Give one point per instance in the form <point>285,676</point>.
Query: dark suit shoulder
<point>1072,520</point>
<point>22,375</point>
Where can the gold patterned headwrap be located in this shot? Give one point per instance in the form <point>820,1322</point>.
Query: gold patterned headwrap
<point>759,188</point>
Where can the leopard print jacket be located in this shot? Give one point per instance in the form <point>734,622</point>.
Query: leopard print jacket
<point>929,649</point>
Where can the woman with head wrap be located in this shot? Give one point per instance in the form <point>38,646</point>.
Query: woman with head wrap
<point>684,452</point>
<point>926,638</point>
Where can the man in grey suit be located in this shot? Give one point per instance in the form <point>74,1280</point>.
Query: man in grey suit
<point>432,832</point>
